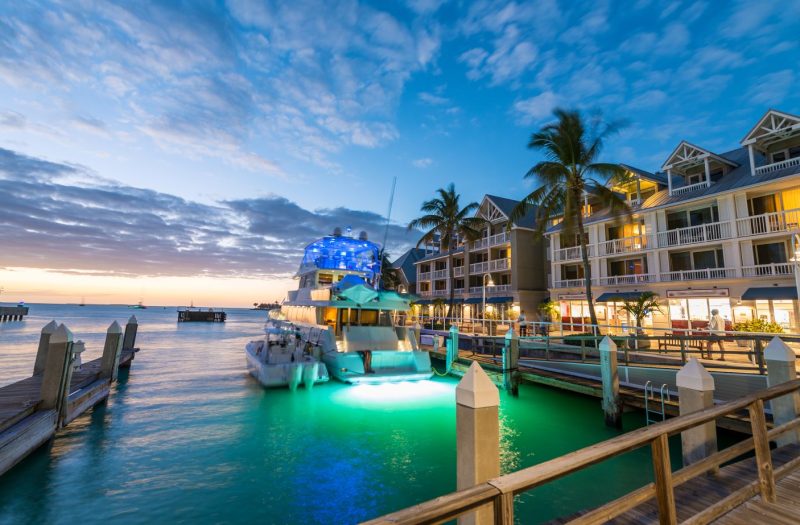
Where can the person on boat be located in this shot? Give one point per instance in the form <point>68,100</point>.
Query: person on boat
<point>716,329</point>
<point>366,355</point>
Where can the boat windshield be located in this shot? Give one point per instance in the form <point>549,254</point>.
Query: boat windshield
<point>342,253</point>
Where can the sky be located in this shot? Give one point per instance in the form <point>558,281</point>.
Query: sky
<point>177,151</point>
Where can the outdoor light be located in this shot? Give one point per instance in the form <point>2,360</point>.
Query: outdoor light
<point>485,284</point>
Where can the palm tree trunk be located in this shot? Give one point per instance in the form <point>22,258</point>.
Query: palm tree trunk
<point>587,272</point>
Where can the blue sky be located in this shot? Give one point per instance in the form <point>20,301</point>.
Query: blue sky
<point>320,104</point>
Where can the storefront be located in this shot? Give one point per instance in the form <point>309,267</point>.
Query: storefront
<point>691,309</point>
<point>775,304</point>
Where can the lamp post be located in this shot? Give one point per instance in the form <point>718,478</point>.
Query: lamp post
<point>796,261</point>
<point>485,284</point>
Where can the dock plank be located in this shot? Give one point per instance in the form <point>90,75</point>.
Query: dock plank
<point>785,510</point>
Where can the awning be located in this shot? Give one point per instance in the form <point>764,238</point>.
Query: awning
<point>618,296</point>
<point>423,301</point>
<point>499,300</point>
<point>473,300</point>
<point>770,292</point>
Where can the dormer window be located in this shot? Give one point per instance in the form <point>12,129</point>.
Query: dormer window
<point>696,166</point>
<point>777,138</point>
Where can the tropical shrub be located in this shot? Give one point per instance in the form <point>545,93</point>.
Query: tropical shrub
<point>758,325</point>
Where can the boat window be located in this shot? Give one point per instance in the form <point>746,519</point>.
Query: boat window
<point>369,318</point>
<point>325,278</point>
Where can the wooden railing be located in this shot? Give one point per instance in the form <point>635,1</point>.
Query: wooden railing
<point>500,492</point>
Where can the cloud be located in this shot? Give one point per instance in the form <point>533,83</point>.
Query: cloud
<point>433,100</point>
<point>648,99</point>
<point>534,109</point>
<point>771,89</point>
<point>422,163</point>
<point>115,229</point>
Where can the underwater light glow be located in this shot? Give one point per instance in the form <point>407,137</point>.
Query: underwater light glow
<point>392,394</point>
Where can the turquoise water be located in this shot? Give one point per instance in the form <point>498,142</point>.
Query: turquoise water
<point>188,437</point>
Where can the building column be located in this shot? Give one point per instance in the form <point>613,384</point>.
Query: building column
<point>750,153</point>
<point>708,171</point>
<point>669,181</point>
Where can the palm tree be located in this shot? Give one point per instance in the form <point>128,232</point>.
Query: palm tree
<point>390,280</point>
<point>444,217</point>
<point>569,174</point>
<point>640,308</point>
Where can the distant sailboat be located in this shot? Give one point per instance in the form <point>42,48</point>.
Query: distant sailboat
<point>83,301</point>
<point>139,306</point>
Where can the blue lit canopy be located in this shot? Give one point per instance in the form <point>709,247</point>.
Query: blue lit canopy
<point>342,253</point>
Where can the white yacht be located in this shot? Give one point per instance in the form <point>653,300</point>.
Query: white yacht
<point>282,359</point>
<point>341,316</point>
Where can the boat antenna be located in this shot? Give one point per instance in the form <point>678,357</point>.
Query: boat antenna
<point>386,232</point>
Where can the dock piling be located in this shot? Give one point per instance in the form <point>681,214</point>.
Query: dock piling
<point>44,344</point>
<point>452,349</point>
<point>57,371</point>
<point>696,393</point>
<point>510,363</point>
<point>781,368</point>
<point>612,406</point>
<point>129,341</point>
<point>477,437</point>
<point>111,352</point>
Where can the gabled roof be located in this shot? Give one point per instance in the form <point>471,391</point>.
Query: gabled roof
<point>658,178</point>
<point>687,153</point>
<point>405,263</point>
<point>506,207</point>
<point>773,122</point>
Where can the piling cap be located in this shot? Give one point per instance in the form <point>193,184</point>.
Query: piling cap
<point>476,390</point>
<point>453,329</point>
<point>50,327</point>
<point>608,345</point>
<point>114,328</point>
<point>694,376</point>
<point>61,335</point>
<point>133,320</point>
<point>777,350</point>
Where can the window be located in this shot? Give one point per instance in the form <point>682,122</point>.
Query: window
<point>680,261</point>
<point>779,156</point>
<point>458,284</point>
<point>571,271</point>
<point>697,260</point>
<point>696,217</point>
<point>646,194</point>
<point>794,152</point>
<point>762,205</point>
<point>626,267</point>
<point>774,252</point>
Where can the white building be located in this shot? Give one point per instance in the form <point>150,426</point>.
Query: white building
<point>709,231</point>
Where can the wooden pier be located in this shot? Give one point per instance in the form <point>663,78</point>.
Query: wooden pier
<point>12,313</point>
<point>60,389</point>
<point>762,489</point>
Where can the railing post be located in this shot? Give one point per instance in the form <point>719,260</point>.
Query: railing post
<point>477,437</point>
<point>57,372</point>
<point>766,476</point>
<point>129,340</point>
<point>44,345</point>
<point>510,363</point>
<point>504,509</point>
<point>759,350</point>
<point>612,407</point>
<point>662,472</point>
<point>452,348</point>
<point>781,367</point>
<point>696,393</point>
<point>683,349</point>
<point>111,352</point>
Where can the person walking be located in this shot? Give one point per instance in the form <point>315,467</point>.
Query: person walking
<point>716,329</point>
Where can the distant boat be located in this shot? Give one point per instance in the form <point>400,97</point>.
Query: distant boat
<point>83,301</point>
<point>139,306</point>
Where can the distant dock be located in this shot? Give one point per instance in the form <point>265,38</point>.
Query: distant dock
<point>12,313</point>
<point>60,389</point>
<point>198,315</point>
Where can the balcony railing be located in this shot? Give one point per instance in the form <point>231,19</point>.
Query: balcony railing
<point>425,276</point>
<point>632,244</point>
<point>441,293</point>
<point>493,240</point>
<point>768,270</point>
<point>480,267</point>
<point>425,293</point>
<point>690,188</point>
<point>779,221</point>
<point>497,288</point>
<point>572,283</point>
<point>458,271</point>
<point>441,274</point>
<point>775,166</point>
<point>613,280</point>
<point>699,275</point>
<point>499,264</point>
<point>714,231</point>
<point>573,253</point>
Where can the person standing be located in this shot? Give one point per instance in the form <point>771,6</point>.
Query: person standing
<point>523,330</point>
<point>716,329</point>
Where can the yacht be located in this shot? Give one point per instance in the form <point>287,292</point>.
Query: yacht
<point>339,314</point>
<point>281,359</point>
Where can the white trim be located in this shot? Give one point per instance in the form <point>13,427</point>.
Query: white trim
<point>775,126</point>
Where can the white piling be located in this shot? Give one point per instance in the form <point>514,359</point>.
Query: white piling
<point>612,406</point>
<point>695,393</point>
<point>109,365</point>
<point>781,367</point>
<point>44,344</point>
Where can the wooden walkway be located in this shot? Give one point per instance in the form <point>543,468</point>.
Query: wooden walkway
<point>19,400</point>
<point>785,511</point>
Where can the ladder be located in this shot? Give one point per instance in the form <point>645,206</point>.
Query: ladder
<point>650,395</point>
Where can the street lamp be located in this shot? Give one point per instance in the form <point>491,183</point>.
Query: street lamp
<point>485,284</point>
<point>796,261</point>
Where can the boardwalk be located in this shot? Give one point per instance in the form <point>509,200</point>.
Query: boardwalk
<point>785,511</point>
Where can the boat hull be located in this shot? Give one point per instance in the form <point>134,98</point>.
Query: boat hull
<point>283,375</point>
<point>388,366</point>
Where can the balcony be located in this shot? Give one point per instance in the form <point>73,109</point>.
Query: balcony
<point>769,270</point>
<point>775,222</point>
<point>614,280</point>
<point>683,190</point>
<point>776,166</point>
<point>573,253</point>
<point>633,244</point>
<point>499,264</point>
<point>572,283</point>
<point>493,240</point>
<point>425,276</point>
<point>713,231</point>
<point>440,274</point>
<point>458,271</point>
<point>425,293</point>
<point>699,275</point>
<point>491,290</point>
<point>440,293</point>
<point>481,267</point>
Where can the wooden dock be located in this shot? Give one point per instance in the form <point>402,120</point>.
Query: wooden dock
<point>12,313</point>
<point>31,410</point>
<point>762,489</point>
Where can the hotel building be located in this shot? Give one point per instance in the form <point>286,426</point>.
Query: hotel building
<point>709,231</point>
<point>507,264</point>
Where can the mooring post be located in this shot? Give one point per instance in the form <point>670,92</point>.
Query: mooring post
<point>78,347</point>
<point>781,368</point>
<point>417,330</point>
<point>477,437</point>
<point>44,344</point>
<point>57,371</point>
<point>695,393</point>
<point>612,407</point>
<point>111,352</point>
<point>511,363</point>
<point>131,328</point>
<point>452,349</point>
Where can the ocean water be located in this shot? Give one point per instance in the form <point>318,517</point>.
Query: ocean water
<point>188,437</point>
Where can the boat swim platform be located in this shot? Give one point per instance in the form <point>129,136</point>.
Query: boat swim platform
<point>584,378</point>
